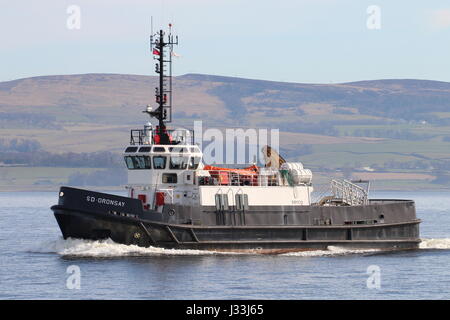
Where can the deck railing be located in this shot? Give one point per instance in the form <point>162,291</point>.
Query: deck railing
<point>349,192</point>
<point>147,136</point>
<point>231,178</point>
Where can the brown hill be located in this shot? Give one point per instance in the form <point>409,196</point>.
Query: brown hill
<point>91,112</point>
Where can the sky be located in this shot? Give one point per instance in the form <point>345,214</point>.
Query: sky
<point>307,41</point>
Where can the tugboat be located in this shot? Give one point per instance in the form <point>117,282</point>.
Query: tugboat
<point>176,201</point>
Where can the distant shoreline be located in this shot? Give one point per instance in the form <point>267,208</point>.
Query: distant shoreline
<point>55,189</point>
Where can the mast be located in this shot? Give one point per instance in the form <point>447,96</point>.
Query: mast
<point>162,47</point>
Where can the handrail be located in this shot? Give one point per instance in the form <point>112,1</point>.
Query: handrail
<point>149,136</point>
<point>349,192</point>
<point>229,177</point>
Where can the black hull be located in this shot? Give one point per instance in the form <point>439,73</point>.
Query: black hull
<point>131,229</point>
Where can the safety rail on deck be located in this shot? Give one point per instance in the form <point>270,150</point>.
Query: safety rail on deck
<point>349,192</point>
<point>149,136</point>
<point>232,178</point>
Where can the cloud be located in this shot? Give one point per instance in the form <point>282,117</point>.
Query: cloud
<point>440,19</point>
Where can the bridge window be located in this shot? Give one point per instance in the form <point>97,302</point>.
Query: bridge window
<point>169,178</point>
<point>178,162</point>
<point>144,149</point>
<point>131,149</point>
<point>138,162</point>
<point>159,162</point>
<point>194,162</point>
<point>159,149</point>
<point>129,162</point>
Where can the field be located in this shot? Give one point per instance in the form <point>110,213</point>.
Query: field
<point>395,132</point>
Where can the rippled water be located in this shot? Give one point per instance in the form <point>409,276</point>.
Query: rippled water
<point>35,260</point>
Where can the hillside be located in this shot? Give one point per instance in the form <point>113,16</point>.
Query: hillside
<point>387,126</point>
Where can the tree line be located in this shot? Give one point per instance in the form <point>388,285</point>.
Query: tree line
<point>19,145</point>
<point>29,152</point>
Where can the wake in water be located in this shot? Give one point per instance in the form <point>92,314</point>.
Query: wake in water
<point>109,248</point>
<point>337,251</point>
<point>332,251</point>
<point>106,248</point>
<point>435,243</point>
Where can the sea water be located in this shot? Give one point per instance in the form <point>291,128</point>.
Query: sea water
<point>37,263</point>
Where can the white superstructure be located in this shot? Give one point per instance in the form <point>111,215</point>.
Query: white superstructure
<point>174,174</point>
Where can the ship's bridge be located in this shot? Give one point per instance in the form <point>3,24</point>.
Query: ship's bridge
<point>162,157</point>
<point>155,168</point>
<point>152,163</point>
